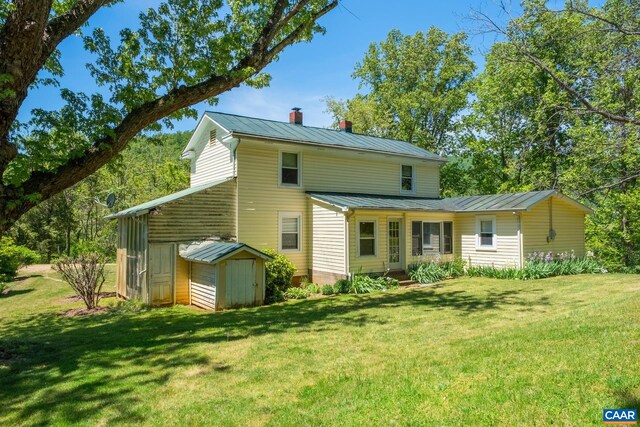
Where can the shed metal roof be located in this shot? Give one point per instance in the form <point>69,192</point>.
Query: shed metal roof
<point>213,251</point>
<point>147,206</point>
<point>487,203</point>
<point>241,125</point>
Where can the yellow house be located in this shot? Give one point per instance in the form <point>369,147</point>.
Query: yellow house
<point>334,202</point>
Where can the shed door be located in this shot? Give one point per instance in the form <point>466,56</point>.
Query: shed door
<point>161,264</point>
<point>240,282</point>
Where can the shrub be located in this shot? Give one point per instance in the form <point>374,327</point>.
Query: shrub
<point>313,288</point>
<point>12,257</point>
<point>85,274</point>
<point>436,271</point>
<point>327,290</point>
<point>296,293</point>
<point>362,284</point>
<point>279,274</point>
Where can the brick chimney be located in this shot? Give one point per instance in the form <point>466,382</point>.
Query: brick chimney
<point>345,126</point>
<point>295,116</point>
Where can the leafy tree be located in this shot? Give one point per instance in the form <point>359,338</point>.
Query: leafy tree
<point>417,87</point>
<point>183,52</point>
<point>73,223</point>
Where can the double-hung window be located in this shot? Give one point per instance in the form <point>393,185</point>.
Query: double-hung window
<point>366,238</point>
<point>407,179</point>
<point>290,231</point>
<point>289,169</point>
<point>486,232</point>
<point>431,238</point>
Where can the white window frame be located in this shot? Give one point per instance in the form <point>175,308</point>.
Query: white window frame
<point>375,237</point>
<point>413,180</point>
<point>479,245</point>
<point>298,216</point>
<point>429,249</point>
<point>282,184</point>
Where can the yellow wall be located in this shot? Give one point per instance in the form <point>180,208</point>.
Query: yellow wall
<point>379,262</point>
<point>260,198</point>
<point>328,239</point>
<point>565,218</point>
<point>182,280</point>
<point>507,252</point>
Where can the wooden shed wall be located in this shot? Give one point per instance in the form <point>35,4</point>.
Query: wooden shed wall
<point>204,283</point>
<point>211,212</point>
<point>132,257</point>
<point>182,280</point>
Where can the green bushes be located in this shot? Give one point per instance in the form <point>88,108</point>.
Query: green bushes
<point>364,284</point>
<point>12,257</point>
<point>279,274</point>
<point>297,293</point>
<point>327,290</point>
<point>539,265</point>
<point>436,270</point>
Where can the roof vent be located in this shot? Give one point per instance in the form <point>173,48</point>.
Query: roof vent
<point>345,126</point>
<point>212,136</point>
<point>295,116</point>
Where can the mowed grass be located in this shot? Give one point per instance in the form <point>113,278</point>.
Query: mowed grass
<point>465,352</point>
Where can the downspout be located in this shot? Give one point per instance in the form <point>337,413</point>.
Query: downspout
<point>347,216</point>
<point>520,246</point>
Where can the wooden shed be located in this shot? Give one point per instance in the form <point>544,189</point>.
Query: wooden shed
<point>149,235</point>
<point>224,274</point>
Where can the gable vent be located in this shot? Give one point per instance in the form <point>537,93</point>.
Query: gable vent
<point>212,137</point>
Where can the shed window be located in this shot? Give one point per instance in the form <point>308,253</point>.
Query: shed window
<point>407,180</point>
<point>290,169</point>
<point>430,237</point>
<point>367,238</point>
<point>486,232</point>
<point>290,231</point>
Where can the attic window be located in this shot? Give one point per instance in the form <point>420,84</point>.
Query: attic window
<point>212,137</point>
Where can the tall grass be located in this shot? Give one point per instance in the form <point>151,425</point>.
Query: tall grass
<point>436,270</point>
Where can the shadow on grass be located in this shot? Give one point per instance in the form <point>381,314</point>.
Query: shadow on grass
<point>106,361</point>
<point>12,292</point>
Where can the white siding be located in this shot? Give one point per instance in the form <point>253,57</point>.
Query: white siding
<point>507,252</point>
<point>213,163</point>
<point>203,285</point>
<point>328,248</point>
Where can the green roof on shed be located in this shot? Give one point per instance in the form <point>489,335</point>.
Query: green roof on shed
<point>212,251</point>
<point>486,203</point>
<point>147,206</point>
<point>318,136</point>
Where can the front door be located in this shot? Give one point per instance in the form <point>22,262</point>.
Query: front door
<point>240,282</point>
<point>394,243</point>
<point>161,263</point>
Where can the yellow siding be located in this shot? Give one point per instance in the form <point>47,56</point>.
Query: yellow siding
<point>213,163</point>
<point>182,280</point>
<point>328,246</point>
<point>260,198</point>
<point>507,253</point>
<point>199,216</point>
<point>568,222</point>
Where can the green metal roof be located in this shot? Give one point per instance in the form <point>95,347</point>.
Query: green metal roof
<point>212,251</point>
<point>319,136</point>
<point>147,206</point>
<point>486,203</point>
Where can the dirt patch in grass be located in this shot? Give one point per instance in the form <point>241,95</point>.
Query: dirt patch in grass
<point>76,312</point>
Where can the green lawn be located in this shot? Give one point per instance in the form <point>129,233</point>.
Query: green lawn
<point>466,352</point>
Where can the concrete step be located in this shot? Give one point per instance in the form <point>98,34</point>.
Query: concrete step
<point>407,282</point>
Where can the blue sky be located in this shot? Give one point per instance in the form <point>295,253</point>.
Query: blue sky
<point>305,73</point>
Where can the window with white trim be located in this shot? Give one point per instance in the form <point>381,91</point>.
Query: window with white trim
<point>486,232</point>
<point>290,169</point>
<point>290,231</point>
<point>366,238</point>
<point>407,180</point>
<point>431,237</point>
